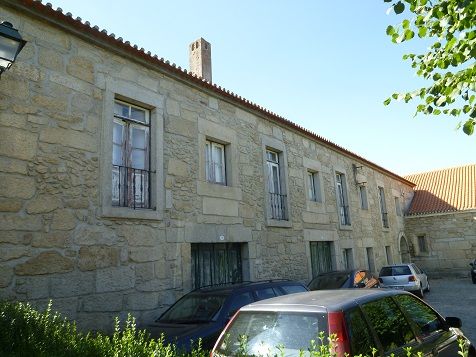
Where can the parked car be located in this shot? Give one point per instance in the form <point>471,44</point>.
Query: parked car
<point>204,312</point>
<point>362,319</point>
<point>356,278</point>
<point>473,271</point>
<point>404,276</point>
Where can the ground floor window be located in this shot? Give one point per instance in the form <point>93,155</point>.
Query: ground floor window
<point>321,257</point>
<point>216,263</point>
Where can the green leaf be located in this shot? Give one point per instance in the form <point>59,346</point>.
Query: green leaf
<point>409,34</point>
<point>406,24</point>
<point>422,32</point>
<point>387,101</point>
<point>399,7</point>
<point>390,30</point>
<point>468,127</point>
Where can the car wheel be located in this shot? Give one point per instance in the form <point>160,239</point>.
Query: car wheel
<point>419,293</point>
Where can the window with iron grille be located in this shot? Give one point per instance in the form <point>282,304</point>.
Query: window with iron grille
<point>383,207</point>
<point>215,162</point>
<point>321,257</point>
<point>131,175</point>
<point>216,263</point>
<point>277,196</point>
<point>342,200</point>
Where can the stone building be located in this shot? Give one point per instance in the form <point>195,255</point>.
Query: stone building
<point>126,181</point>
<point>441,222</point>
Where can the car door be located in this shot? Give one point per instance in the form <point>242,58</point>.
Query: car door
<point>390,326</point>
<point>421,276</point>
<point>435,338</point>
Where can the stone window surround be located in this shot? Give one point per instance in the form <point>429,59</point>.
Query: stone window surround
<point>129,92</point>
<point>341,170</point>
<point>419,252</point>
<point>270,143</point>
<point>315,167</point>
<point>208,130</point>
<point>381,185</point>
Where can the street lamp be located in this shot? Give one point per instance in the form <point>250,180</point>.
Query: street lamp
<point>11,44</point>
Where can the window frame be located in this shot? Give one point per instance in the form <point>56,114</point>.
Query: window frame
<point>363,197</point>
<point>398,207</point>
<point>314,190</point>
<point>209,176</point>
<point>421,238</point>
<point>342,198</point>
<point>383,207</point>
<point>132,93</point>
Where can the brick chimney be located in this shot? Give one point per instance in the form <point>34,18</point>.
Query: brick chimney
<point>200,58</point>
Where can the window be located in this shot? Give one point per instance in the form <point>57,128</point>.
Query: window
<point>321,257</point>
<point>363,197</point>
<point>215,162</point>
<point>389,324</point>
<point>361,340</point>
<point>277,196</point>
<point>422,246</point>
<point>216,263</point>
<point>314,186</point>
<point>265,293</point>
<point>388,254</point>
<point>398,208</point>
<point>383,207</point>
<point>348,258</point>
<point>370,258</point>
<point>342,200</point>
<point>131,156</point>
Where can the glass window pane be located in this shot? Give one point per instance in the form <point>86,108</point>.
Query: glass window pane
<point>121,109</point>
<point>117,156</point>
<point>138,159</point>
<point>138,114</point>
<point>139,138</point>
<point>361,341</point>
<point>117,133</point>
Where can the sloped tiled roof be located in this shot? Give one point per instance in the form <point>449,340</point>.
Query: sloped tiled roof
<point>96,36</point>
<point>447,190</point>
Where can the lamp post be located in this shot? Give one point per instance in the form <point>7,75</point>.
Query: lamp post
<point>11,43</point>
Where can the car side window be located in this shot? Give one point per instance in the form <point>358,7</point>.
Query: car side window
<point>361,340</point>
<point>292,289</point>
<point>392,329</point>
<point>264,293</point>
<point>417,270</point>
<point>426,320</point>
<point>239,301</point>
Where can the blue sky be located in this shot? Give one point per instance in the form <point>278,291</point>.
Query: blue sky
<point>325,65</point>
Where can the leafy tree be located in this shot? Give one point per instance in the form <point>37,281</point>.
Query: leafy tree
<point>449,63</point>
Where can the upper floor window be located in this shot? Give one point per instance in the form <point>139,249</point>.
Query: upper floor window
<point>314,186</point>
<point>342,200</point>
<point>215,162</point>
<point>363,197</point>
<point>398,207</point>
<point>277,195</point>
<point>422,246</point>
<point>131,156</point>
<point>383,207</point>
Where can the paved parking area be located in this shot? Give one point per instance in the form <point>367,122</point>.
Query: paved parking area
<point>455,297</point>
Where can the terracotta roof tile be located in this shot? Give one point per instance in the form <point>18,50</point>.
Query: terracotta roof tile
<point>85,29</point>
<point>447,190</point>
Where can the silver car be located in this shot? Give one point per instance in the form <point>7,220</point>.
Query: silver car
<point>405,276</point>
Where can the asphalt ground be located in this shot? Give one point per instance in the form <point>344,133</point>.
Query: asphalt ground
<point>455,297</point>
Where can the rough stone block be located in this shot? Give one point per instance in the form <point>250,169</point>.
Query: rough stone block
<point>220,207</point>
<point>63,220</point>
<point>102,302</point>
<point>45,263</point>
<point>172,107</point>
<point>50,59</point>
<point>10,205</point>
<point>145,254</point>
<point>13,222</point>
<point>34,287</point>
<point>52,104</point>
<point>92,235</point>
<point>13,166</point>
<point>96,321</point>
<point>72,284</point>
<point>177,125</point>
<point>12,252</point>
<point>137,235</point>
<point>43,204</point>
<point>142,301</point>
<point>115,279</point>
<point>6,275</point>
<point>177,168</point>
<point>144,271</point>
<point>17,186</point>
<point>12,120</point>
<point>96,256</point>
<point>81,68</point>
<point>19,144</point>
<point>69,138</point>
<point>50,240</point>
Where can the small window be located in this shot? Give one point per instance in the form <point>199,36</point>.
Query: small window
<point>370,258</point>
<point>389,323</point>
<point>240,301</point>
<point>266,293</point>
<point>383,207</point>
<point>277,203</point>
<point>388,254</point>
<point>398,208</point>
<point>215,162</point>
<point>364,204</point>
<point>422,246</point>
<point>342,199</point>
<point>348,258</point>
<point>314,186</point>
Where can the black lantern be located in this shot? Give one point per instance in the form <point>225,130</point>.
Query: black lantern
<point>11,44</point>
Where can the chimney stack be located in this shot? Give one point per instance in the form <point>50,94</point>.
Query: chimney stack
<point>200,58</point>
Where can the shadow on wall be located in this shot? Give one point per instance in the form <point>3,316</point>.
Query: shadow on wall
<point>426,202</point>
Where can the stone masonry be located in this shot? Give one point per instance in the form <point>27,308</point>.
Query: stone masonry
<point>60,238</point>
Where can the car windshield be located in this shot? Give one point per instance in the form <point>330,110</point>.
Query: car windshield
<point>194,307</point>
<point>272,333</point>
<point>329,281</point>
<point>396,270</point>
